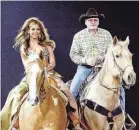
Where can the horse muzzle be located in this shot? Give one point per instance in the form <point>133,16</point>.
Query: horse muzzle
<point>129,80</point>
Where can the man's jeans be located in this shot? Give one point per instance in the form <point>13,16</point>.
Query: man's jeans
<point>79,78</point>
<point>122,95</point>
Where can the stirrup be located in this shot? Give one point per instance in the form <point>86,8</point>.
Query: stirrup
<point>129,123</point>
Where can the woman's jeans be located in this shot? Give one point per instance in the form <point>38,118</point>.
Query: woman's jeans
<point>79,78</point>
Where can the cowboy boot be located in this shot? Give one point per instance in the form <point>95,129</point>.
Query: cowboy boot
<point>75,120</point>
<point>73,111</point>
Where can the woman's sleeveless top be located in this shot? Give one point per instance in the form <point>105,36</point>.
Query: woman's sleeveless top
<point>33,56</point>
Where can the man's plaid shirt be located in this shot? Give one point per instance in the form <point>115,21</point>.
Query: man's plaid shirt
<point>85,44</point>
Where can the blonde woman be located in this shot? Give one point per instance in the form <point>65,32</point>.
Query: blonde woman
<point>34,43</point>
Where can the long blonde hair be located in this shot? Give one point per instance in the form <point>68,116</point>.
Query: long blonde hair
<point>23,38</point>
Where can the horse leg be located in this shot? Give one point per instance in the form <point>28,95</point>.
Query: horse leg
<point>118,122</point>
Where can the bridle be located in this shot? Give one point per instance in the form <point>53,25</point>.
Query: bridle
<point>115,90</point>
<point>120,69</point>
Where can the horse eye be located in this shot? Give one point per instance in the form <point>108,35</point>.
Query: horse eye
<point>117,56</point>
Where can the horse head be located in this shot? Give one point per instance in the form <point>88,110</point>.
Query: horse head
<point>103,96</point>
<point>34,79</point>
<point>119,60</point>
<point>48,109</point>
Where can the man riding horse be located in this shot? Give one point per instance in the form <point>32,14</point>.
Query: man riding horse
<point>88,49</point>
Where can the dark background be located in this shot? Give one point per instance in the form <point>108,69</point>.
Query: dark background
<point>61,20</point>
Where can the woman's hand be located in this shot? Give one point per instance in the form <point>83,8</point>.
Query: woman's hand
<point>51,66</point>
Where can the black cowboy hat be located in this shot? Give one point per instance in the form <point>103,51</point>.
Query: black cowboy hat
<point>91,13</point>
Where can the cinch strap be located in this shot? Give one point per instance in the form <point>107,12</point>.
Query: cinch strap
<point>103,111</point>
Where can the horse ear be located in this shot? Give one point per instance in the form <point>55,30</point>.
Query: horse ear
<point>115,40</point>
<point>127,40</point>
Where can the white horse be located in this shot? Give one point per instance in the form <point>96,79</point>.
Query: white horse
<point>102,107</point>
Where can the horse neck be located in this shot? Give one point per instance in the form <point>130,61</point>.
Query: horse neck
<point>106,79</point>
<point>101,89</point>
<point>109,84</point>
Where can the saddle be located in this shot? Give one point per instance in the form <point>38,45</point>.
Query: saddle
<point>90,78</point>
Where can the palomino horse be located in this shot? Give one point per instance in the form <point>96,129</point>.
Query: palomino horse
<point>44,109</point>
<point>100,98</point>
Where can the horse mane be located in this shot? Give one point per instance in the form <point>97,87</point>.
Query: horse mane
<point>104,68</point>
<point>99,76</point>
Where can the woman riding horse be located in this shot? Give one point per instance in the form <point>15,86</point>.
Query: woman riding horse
<point>35,44</point>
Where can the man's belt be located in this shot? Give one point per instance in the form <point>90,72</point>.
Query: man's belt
<point>87,66</point>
